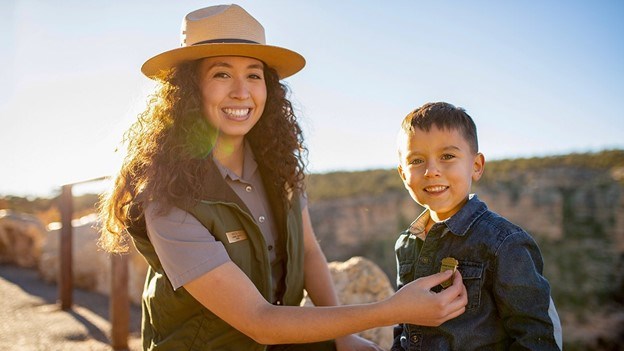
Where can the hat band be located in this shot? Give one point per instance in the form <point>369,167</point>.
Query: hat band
<point>226,41</point>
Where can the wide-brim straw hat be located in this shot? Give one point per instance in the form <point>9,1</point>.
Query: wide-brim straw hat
<point>224,30</point>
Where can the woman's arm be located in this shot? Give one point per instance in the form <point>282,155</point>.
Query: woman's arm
<point>318,281</point>
<point>319,284</point>
<point>228,292</point>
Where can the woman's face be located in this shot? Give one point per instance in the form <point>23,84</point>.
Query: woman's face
<point>233,93</point>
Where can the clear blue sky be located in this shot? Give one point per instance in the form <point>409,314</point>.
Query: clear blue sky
<point>539,77</point>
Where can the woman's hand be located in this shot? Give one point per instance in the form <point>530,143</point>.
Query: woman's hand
<point>355,343</point>
<point>415,303</point>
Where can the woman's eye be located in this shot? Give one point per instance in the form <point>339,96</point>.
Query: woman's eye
<point>415,162</point>
<point>255,76</point>
<point>221,75</point>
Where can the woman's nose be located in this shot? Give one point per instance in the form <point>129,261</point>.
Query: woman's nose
<point>240,90</point>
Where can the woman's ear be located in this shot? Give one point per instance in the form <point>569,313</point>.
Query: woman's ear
<point>478,166</point>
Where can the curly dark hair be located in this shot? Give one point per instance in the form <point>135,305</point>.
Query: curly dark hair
<point>168,146</point>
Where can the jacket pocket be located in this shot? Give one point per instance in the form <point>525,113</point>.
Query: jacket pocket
<point>406,272</point>
<point>472,274</point>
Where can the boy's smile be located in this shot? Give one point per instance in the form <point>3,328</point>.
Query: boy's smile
<point>438,168</point>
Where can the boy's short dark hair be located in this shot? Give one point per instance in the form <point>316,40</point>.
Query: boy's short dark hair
<point>444,116</point>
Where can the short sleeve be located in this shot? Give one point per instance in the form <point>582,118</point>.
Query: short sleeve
<point>186,249</point>
<point>303,200</point>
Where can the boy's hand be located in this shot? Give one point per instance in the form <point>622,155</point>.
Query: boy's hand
<point>421,306</point>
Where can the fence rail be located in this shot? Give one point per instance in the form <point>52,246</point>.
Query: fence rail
<point>119,301</point>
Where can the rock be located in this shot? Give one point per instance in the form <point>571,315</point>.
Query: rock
<point>357,281</point>
<point>21,238</point>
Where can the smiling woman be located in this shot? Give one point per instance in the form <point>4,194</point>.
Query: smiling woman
<point>211,193</point>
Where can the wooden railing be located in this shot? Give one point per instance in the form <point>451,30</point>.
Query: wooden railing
<point>119,301</point>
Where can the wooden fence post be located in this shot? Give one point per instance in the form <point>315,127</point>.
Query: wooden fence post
<point>65,285</point>
<point>119,302</point>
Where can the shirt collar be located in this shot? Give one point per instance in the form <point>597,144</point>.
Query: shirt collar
<point>418,226</point>
<point>249,166</point>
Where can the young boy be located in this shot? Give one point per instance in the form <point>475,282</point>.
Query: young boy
<point>509,304</point>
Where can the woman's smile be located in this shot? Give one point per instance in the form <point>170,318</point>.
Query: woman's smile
<point>237,114</point>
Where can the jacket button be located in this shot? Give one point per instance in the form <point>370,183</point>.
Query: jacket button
<point>248,188</point>
<point>414,338</point>
<point>261,219</point>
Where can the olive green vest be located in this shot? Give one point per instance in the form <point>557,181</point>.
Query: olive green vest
<point>174,320</point>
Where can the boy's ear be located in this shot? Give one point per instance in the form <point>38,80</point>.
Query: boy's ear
<point>478,166</point>
<point>400,169</point>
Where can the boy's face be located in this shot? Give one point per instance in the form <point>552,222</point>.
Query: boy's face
<point>437,168</point>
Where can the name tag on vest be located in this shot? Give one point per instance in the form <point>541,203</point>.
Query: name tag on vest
<point>235,236</point>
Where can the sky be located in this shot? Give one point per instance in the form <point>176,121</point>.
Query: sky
<point>539,78</point>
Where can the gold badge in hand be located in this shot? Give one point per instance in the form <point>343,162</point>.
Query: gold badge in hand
<point>448,263</point>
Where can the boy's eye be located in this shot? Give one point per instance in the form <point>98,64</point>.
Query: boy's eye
<point>416,161</point>
<point>447,156</point>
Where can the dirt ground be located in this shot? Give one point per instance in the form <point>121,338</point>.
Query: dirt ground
<point>31,319</point>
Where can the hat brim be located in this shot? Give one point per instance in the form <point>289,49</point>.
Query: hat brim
<point>284,61</point>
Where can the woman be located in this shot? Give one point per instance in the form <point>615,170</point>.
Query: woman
<point>211,193</point>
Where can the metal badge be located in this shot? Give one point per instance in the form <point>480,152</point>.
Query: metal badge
<point>448,263</point>
<point>236,236</point>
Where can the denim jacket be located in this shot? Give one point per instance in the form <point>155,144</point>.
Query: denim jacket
<point>509,304</point>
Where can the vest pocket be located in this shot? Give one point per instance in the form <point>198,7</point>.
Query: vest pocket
<point>472,275</point>
<point>241,254</point>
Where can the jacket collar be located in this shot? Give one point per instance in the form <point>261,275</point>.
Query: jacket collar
<point>460,222</point>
